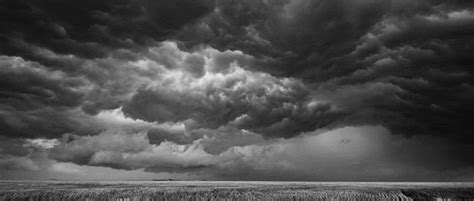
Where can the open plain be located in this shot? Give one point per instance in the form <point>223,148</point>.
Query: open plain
<point>223,190</point>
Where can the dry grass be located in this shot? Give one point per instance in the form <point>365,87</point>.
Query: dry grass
<point>135,191</point>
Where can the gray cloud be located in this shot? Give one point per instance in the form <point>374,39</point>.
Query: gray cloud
<point>223,88</point>
<point>38,84</point>
<point>131,151</point>
<point>228,95</point>
<point>91,29</point>
<point>17,163</point>
<point>356,153</point>
<point>418,70</point>
<point>362,153</point>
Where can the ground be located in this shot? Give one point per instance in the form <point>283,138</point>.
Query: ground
<point>207,190</point>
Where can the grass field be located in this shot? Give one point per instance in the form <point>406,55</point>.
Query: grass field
<point>200,190</point>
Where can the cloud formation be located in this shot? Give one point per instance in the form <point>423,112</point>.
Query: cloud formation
<point>352,153</point>
<point>225,94</point>
<point>130,151</point>
<point>217,88</point>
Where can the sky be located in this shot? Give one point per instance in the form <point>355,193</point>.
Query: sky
<point>313,90</point>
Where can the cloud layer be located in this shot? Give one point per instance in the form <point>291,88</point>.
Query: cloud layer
<point>224,89</point>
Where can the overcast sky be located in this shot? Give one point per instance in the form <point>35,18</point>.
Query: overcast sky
<point>324,90</point>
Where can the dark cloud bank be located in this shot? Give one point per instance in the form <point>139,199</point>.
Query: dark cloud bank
<point>239,90</point>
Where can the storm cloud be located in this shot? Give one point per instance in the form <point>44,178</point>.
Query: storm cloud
<point>241,90</point>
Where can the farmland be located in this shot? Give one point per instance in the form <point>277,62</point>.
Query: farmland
<point>204,190</point>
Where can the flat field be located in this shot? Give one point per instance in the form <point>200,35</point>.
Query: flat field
<point>206,190</point>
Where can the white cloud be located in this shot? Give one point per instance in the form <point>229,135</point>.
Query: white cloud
<point>131,151</point>
<point>41,143</point>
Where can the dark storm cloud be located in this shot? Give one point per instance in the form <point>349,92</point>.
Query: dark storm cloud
<point>64,37</point>
<point>292,31</point>
<point>36,101</point>
<point>37,85</point>
<point>380,62</point>
<point>226,94</point>
<point>229,87</point>
<point>92,28</point>
<point>12,147</point>
<point>377,50</point>
<point>423,63</point>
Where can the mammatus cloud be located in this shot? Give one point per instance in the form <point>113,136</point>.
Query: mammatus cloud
<point>205,88</point>
<point>92,29</point>
<point>318,90</point>
<point>225,94</point>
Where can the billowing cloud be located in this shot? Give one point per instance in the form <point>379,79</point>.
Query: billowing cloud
<point>350,153</point>
<point>91,29</point>
<point>409,52</point>
<point>427,81</point>
<point>226,94</point>
<point>130,151</point>
<point>223,89</point>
